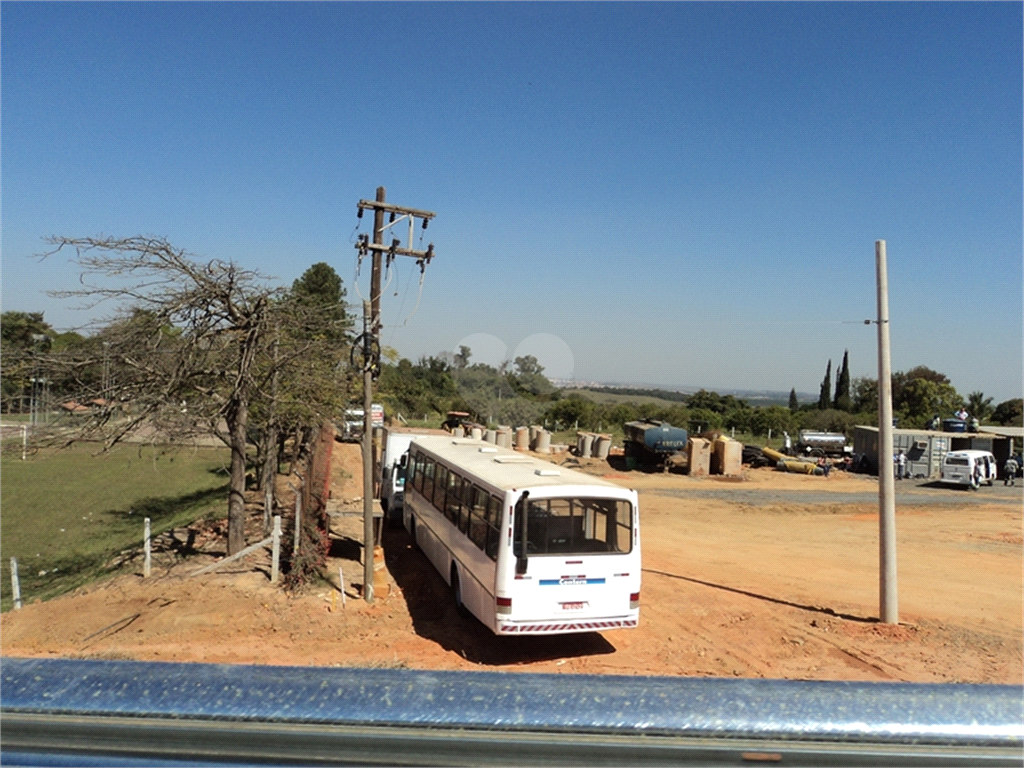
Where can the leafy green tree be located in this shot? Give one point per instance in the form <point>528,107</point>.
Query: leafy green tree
<point>321,293</point>
<point>920,399</point>
<point>979,406</point>
<point>703,420</point>
<point>794,404</point>
<point>302,374</point>
<point>573,410</point>
<point>428,386</point>
<point>1009,413</point>
<point>829,420</point>
<point>26,331</point>
<point>618,413</point>
<point>865,394</point>
<point>461,358</point>
<point>703,399</point>
<point>529,380</point>
<point>826,386</point>
<point>773,417</point>
<point>902,379</point>
<point>483,388</point>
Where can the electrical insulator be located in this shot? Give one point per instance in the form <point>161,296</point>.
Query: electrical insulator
<point>359,213</point>
<point>425,222</point>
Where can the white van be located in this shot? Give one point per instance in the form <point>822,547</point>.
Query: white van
<point>969,468</point>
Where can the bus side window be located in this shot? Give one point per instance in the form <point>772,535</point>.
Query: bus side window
<point>464,499</point>
<point>493,527</point>
<point>440,487</point>
<point>428,478</point>
<point>477,509</point>
<point>454,500</point>
<point>415,471</point>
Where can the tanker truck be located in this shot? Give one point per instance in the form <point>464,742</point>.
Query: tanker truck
<point>653,442</point>
<point>814,443</point>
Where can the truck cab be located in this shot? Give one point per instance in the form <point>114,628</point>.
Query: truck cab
<point>393,462</point>
<point>392,488</point>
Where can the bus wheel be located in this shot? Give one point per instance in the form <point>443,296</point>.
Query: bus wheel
<point>457,590</point>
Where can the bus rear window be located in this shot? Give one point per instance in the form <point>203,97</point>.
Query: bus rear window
<point>960,462</point>
<point>567,526</point>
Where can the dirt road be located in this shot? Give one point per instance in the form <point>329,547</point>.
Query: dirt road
<point>772,576</point>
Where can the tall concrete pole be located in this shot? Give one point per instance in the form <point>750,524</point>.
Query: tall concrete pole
<point>367,456</point>
<point>371,329</point>
<point>888,596</point>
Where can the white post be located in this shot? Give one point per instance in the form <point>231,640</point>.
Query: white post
<point>147,565</point>
<point>887,592</point>
<point>276,549</point>
<point>341,584</point>
<point>24,441</point>
<point>298,520</point>
<point>15,584</point>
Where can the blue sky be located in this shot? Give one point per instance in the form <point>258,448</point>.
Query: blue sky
<point>682,194</point>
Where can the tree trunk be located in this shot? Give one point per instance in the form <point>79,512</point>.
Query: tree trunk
<point>237,418</point>
<point>269,474</point>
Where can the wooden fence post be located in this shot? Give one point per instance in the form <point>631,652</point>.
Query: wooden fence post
<point>298,522</point>
<point>276,548</point>
<point>147,564</point>
<point>15,584</point>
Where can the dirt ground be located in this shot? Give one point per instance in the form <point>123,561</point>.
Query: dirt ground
<point>772,575</point>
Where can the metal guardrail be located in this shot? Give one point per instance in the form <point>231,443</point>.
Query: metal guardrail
<point>80,712</point>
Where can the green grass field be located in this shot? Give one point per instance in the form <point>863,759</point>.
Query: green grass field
<point>64,515</point>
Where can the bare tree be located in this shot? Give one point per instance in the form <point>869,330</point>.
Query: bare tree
<point>184,346</point>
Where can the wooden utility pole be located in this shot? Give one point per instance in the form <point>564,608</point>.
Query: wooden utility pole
<point>371,343</point>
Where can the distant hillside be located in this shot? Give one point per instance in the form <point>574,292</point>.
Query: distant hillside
<point>603,393</point>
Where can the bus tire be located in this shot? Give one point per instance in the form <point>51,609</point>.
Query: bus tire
<point>460,607</point>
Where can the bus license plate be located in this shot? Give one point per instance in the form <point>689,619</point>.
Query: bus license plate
<point>573,606</point>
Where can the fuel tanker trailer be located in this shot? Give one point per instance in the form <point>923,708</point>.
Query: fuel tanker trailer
<point>814,443</point>
<point>653,442</point>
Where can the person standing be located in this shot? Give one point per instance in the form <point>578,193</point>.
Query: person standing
<point>1010,472</point>
<point>901,465</point>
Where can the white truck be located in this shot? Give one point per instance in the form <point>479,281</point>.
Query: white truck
<point>352,426</point>
<point>394,455</point>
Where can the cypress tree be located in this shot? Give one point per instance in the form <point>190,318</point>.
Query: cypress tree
<point>842,401</point>
<point>794,405</point>
<point>824,401</point>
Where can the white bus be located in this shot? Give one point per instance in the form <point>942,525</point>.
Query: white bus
<point>580,569</point>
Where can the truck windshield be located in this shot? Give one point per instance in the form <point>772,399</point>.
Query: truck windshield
<point>566,526</point>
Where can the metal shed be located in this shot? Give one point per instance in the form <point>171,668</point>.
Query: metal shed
<point>925,449</point>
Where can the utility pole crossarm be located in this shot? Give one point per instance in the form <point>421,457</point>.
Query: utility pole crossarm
<point>381,206</point>
<point>376,248</point>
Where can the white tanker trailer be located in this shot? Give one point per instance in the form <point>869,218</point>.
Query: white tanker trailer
<point>814,443</point>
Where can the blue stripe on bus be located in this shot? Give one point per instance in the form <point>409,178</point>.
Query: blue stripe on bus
<point>551,582</point>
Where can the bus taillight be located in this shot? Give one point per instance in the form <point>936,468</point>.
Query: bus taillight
<point>503,605</point>
<point>634,600</point>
